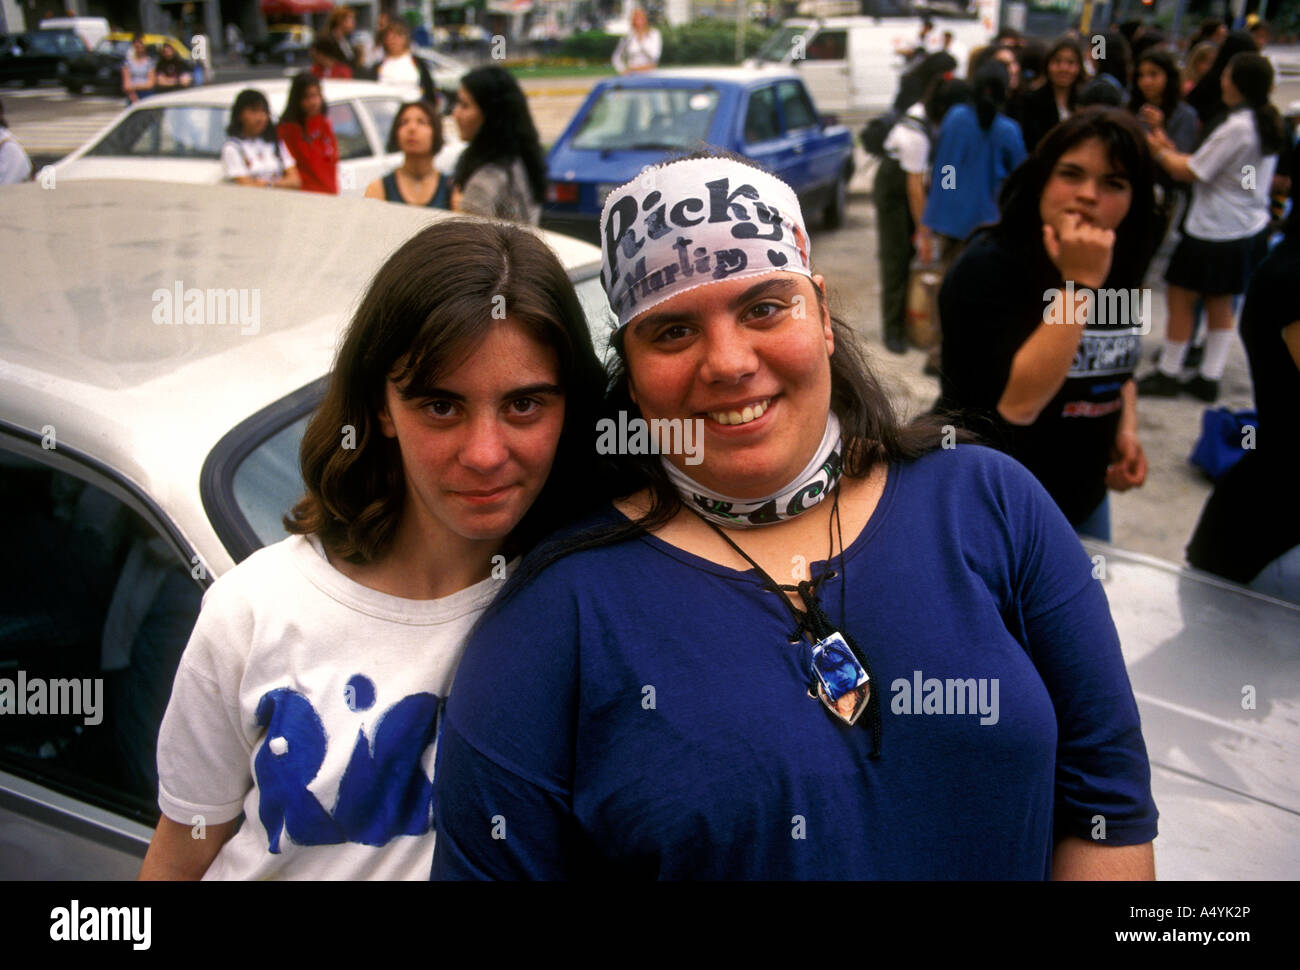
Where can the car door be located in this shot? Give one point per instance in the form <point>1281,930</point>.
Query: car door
<point>361,161</point>
<point>825,68</point>
<point>95,612</point>
<point>815,161</point>
<point>762,136</point>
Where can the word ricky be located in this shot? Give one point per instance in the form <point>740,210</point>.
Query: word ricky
<point>1105,307</point>
<point>211,307</point>
<point>658,436</point>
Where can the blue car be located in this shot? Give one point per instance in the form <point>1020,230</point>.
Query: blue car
<point>630,122</point>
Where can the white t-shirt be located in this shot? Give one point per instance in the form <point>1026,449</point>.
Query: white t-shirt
<point>255,157</point>
<point>908,144</point>
<point>635,53</point>
<point>310,703</point>
<point>399,70</point>
<point>1230,195</point>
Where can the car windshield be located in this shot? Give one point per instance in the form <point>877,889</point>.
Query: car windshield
<point>107,46</point>
<point>647,119</point>
<point>177,131</point>
<point>780,44</point>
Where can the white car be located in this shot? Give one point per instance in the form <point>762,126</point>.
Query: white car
<point>177,137</point>
<point>143,452</point>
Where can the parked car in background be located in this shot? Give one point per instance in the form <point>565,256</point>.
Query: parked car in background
<point>144,453</point>
<point>91,30</point>
<point>177,137</point>
<point>636,120</point>
<point>100,69</point>
<point>283,44</point>
<point>38,55</point>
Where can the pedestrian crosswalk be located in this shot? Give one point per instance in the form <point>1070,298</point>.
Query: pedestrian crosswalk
<point>52,94</point>
<point>60,136</point>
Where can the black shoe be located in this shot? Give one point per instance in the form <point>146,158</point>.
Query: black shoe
<point>1159,384</point>
<point>1192,359</point>
<point>895,343</point>
<point>1202,388</point>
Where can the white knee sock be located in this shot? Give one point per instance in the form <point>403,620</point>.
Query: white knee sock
<point>1217,345</point>
<point>1171,357</point>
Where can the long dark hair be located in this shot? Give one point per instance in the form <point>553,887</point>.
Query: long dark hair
<point>251,98</point>
<point>1070,44</point>
<point>507,131</point>
<point>1207,96</point>
<point>1173,93</point>
<point>425,310</point>
<point>913,85</point>
<point>1252,75</point>
<point>302,83</point>
<point>989,91</point>
<point>873,432</point>
<point>1021,223</point>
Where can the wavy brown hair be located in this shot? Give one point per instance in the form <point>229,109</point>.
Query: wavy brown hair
<point>423,314</point>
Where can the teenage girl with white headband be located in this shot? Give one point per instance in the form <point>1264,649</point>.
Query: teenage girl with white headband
<point>742,670</point>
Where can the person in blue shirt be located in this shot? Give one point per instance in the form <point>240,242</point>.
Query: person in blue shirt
<point>810,642</point>
<point>977,148</point>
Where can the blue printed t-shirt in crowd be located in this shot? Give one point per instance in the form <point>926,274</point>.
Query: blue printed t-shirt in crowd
<point>969,165</point>
<point>637,711</point>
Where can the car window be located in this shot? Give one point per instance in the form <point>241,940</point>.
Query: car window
<point>267,482</point>
<point>179,131</point>
<point>828,45</point>
<point>382,113</point>
<point>796,107</point>
<point>648,118</point>
<point>761,122</point>
<point>96,612</point>
<point>107,46</point>
<point>600,316</point>
<point>348,131</point>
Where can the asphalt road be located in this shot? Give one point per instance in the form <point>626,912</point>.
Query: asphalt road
<point>1156,519</point>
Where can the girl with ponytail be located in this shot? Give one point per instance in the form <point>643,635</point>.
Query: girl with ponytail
<point>1226,229</point>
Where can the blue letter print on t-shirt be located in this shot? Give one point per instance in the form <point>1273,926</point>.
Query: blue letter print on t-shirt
<point>295,729</point>
<point>384,793</point>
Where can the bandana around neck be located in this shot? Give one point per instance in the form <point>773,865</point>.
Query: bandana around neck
<point>809,487</point>
<point>689,223</point>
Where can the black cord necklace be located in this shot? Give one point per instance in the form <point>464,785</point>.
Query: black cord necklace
<point>840,675</point>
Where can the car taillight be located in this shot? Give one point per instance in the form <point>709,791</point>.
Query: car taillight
<point>562,192</point>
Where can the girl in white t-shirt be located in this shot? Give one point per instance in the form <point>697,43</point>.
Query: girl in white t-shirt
<point>1226,226</point>
<point>252,154</point>
<point>453,434</point>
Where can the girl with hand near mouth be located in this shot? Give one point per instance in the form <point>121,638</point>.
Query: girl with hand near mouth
<point>697,684</point>
<point>309,696</point>
<point>1071,248</point>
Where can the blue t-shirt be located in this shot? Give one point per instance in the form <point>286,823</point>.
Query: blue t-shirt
<point>968,167</point>
<point>637,711</point>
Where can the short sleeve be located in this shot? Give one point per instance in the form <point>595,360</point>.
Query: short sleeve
<point>503,778</point>
<point>232,161</point>
<point>203,754</point>
<point>1102,770</point>
<point>1217,151</point>
<point>912,147</point>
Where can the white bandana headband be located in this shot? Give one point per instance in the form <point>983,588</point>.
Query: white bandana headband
<point>689,223</point>
<point>817,480</point>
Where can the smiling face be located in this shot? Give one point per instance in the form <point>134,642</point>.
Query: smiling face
<point>477,449</point>
<point>1151,82</point>
<point>751,357</point>
<point>466,114</point>
<point>1084,181</point>
<point>1063,69</point>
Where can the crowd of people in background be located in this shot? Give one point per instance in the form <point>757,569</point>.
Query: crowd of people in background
<point>1133,147</point>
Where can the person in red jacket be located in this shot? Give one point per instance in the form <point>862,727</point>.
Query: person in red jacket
<point>306,131</point>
